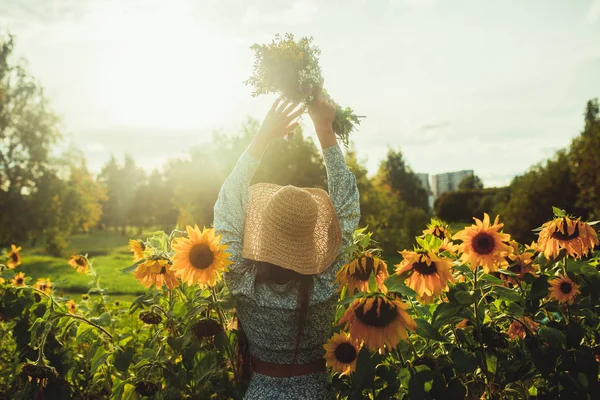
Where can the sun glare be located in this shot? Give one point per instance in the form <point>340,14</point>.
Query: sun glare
<point>158,67</point>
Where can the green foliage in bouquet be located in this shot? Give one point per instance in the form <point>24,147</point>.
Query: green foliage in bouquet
<point>291,68</point>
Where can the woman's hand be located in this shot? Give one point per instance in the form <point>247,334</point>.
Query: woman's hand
<point>322,113</point>
<point>279,122</point>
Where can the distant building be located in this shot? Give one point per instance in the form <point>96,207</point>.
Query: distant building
<point>424,178</point>
<point>447,182</point>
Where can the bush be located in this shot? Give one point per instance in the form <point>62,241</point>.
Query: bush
<point>462,205</point>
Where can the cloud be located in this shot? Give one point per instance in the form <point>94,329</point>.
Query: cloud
<point>593,14</point>
<point>438,125</point>
<point>300,12</point>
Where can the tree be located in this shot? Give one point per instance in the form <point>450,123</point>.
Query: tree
<point>152,204</point>
<point>66,199</point>
<point>394,172</point>
<point>470,182</point>
<point>28,128</point>
<point>393,222</point>
<point>585,160</point>
<point>533,195</point>
<point>120,184</point>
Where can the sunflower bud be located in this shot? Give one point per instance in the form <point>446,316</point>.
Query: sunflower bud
<point>150,317</point>
<point>206,328</point>
<point>144,388</point>
<point>39,373</point>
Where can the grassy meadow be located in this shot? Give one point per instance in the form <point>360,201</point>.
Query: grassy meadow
<point>108,251</point>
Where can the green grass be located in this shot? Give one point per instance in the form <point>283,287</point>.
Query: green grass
<point>108,252</point>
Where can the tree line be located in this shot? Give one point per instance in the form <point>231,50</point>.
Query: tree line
<point>45,198</point>
<point>570,180</point>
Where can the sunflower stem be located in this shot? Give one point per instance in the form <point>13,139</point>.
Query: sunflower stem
<point>480,338</point>
<point>229,351</point>
<point>81,318</point>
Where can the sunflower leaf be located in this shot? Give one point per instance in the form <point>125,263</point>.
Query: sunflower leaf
<point>539,288</point>
<point>348,299</point>
<point>552,336</point>
<point>395,284</point>
<point>132,267</point>
<point>446,313</point>
<point>427,331</point>
<point>372,283</point>
<point>7,274</point>
<point>491,279</point>
<point>364,375</point>
<point>464,362</point>
<point>506,294</point>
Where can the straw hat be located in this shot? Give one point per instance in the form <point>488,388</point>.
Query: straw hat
<point>294,228</point>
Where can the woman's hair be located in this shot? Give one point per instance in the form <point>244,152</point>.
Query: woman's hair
<point>270,273</point>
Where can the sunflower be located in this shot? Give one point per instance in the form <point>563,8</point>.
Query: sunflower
<point>356,273</point>
<point>563,290</point>
<point>482,244</point>
<point>79,263</point>
<point>573,235</point>
<point>341,353</point>
<point>449,246</point>
<point>521,264</point>
<point>19,279</point>
<point>429,274</point>
<point>44,285</point>
<point>378,321</point>
<point>157,272</point>
<point>206,328</point>
<point>439,229</point>
<point>71,306</point>
<point>137,247</point>
<point>14,258</point>
<point>199,258</point>
<point>517,327</point>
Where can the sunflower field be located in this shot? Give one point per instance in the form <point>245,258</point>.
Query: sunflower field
<point>469,315</point>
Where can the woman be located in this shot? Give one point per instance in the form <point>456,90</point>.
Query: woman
<point>285,244</point>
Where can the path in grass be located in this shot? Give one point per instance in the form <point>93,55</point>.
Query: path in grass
<point>109,253</point>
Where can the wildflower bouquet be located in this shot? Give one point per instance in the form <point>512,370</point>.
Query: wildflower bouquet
<point>291,68</point>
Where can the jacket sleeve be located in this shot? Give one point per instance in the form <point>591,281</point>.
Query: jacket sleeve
<point>344,195</point>
<point>229,215</point>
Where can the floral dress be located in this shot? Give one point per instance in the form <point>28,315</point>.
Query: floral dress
<point>267,311</point>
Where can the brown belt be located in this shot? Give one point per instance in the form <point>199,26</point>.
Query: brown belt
<point>287,370</point>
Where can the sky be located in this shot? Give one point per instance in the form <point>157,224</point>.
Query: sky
<point>492,86</point>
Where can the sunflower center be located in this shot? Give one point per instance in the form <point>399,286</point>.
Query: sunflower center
<point>19,281</point>
<point>483,243</point>
<point>363,275</point>
<point>517,269</point>
<point>558,235</point>
<point>14,257</point>
<point>200,256</point>
<point>387,315</point>
<point>80,261</point>
<point>565,287</point>
<point>345,353</point>
<point>423,269</point>
<point>438,233</point>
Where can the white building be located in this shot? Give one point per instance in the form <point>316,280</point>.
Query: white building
<point>448,181</point>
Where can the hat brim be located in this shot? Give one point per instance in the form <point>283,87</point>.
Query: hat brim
<point>308,255</point>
